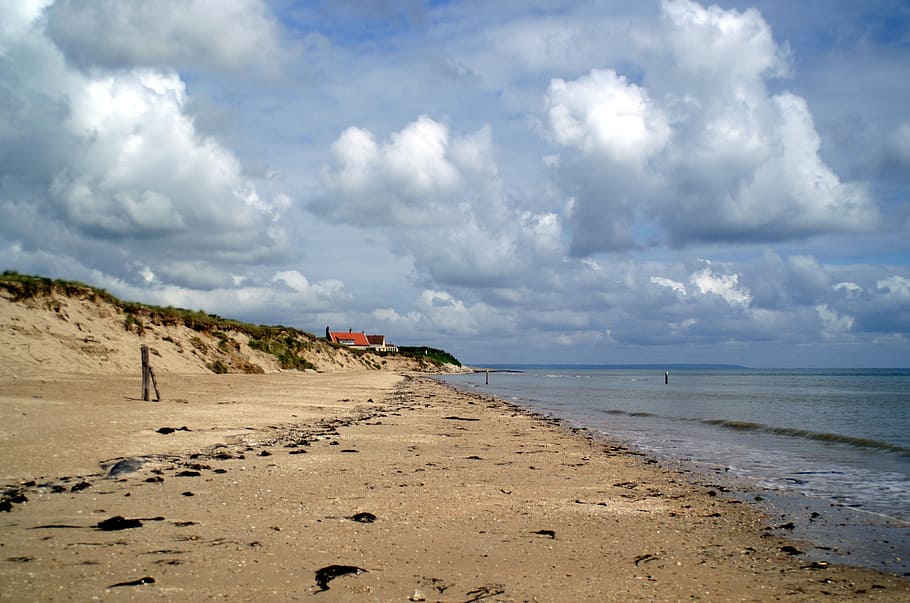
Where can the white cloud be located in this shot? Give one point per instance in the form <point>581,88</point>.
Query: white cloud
<point>111,164</point>
<point>676,286</point>
<point>604,113</point>
<point>851,289</point>
<point>441,313</point>
<point>311,293</point>
<point>724,45</point>
<point>415,179</point>
<point>834,325</point>
<point>896,288</point>
<point>726,286</point>
<point>727,161</point>
<point>225,34</point>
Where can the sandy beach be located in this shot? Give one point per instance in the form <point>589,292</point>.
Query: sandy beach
<point>361,486</point>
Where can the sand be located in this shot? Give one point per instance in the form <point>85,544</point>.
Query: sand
<point>362,486</point>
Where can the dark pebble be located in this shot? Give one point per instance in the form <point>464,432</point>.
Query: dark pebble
<point>330,572</point>
<point>139,582</point>
<point>80,486</point>
<point>124,466</point>
<point>188,474</point>
<point>118,522</point>
<point>364,517</point>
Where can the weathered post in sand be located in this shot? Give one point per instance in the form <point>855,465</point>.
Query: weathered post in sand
<point>146,372</point>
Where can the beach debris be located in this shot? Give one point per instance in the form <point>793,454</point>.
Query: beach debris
<point>187,493</point>
<point>816,565</point>
<point>124,466</point>
<point>137,582</point>
<point>791,550</point>
<point>584,502</point>
<point>168,430</point>
<point>80,486</point>
<point>11,497</point>
<point>297,451</point>
<point>628,485</point>
<point>364,517</point>
<point>455,418</point>
<point>328,573</point>
<point>188,473</point>
<point>550,533</point>
<point>20,559</point>
<point>787,526</point>
<point>118,522</point>
<point>264,453</point>
<point>644,558</point>
<point>473,457</point>
<point>417,596</point>
<point>485,592</point>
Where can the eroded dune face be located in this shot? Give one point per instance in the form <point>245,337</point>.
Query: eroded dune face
<point>81,332</point>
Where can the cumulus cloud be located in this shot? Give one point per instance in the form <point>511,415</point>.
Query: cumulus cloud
<point>440,198</point>
<point>109,163</point>
<point>603,113</point>
<point>834,325</point>
<point>676,286</point>
<point>417,178</point>
<point>225,34</point>
<point>726,286</point>
<point>441,312</point>
<point>726,160</point>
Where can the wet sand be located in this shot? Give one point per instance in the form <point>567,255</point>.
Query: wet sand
<point>362,486</point>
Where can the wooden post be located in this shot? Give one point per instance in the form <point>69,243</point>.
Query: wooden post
<point>488,376</point>
<point>666,377</point>
<point>146,372</point>
<point>155,384</point>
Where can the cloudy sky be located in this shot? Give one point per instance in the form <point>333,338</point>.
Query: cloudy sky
<point>552,181</point>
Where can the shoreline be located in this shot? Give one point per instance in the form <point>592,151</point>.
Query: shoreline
<point>842,526</point>
<point>471,498</point>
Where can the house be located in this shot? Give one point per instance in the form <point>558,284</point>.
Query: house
<point>360,340</point>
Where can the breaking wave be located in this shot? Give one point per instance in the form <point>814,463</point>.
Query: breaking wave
<point>790,432</point>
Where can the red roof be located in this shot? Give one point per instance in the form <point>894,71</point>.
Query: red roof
<point>349,338</point>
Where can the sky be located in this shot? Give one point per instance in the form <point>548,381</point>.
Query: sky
<point>614,182</point>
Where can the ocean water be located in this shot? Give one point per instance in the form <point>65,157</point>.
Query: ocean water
<point>828,449</point>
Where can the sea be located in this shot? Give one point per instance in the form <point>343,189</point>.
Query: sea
<point>824,453</point>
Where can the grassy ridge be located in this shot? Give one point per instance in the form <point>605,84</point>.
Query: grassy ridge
<point>284,343</point>
<point>433,355</point>
<point>287,344</point>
